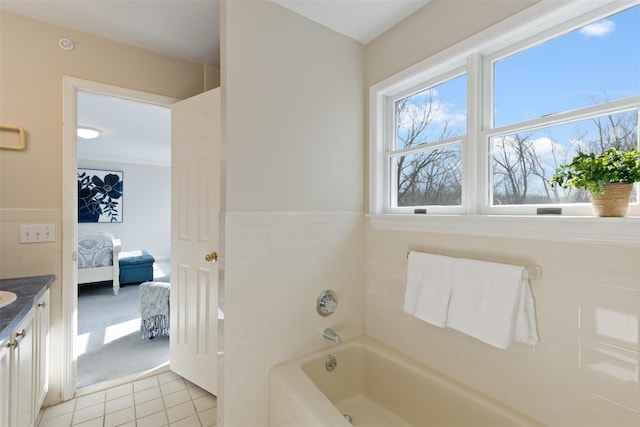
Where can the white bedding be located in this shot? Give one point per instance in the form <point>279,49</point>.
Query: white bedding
<point>95,249</point>
<point>96,254</point>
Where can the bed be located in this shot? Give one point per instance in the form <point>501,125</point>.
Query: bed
<point>98,258</point>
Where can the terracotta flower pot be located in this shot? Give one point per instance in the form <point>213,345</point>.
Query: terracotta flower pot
<point>614,201</point>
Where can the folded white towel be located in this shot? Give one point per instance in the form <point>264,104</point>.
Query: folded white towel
<point>492,302</point>
<point>429,279</point>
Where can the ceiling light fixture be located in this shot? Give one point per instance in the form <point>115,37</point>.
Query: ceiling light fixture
<point>86,132</point>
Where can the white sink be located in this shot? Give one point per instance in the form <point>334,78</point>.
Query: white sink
<point>7,298</point>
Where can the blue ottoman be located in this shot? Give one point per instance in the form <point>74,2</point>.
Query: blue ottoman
<point>136,267</point>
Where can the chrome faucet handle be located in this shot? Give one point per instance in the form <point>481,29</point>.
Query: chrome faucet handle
<point>326,303</point>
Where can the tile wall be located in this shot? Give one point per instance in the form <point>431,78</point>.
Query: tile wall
<point>32,259</point>
<point>584,370</point>
<point>36,259</point>
<point>276,264</point>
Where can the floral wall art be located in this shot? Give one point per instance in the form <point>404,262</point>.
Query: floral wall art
<point>99,196</point>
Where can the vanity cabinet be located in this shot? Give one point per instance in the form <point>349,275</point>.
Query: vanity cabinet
<point>5,382</point>
<point>24,361</point>
<point>24,350</point>
<point>22,346</point>
<point>41,366</point>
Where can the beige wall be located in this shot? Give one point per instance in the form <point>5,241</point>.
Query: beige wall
<point>31,70</point>
<point>31,96</point>
<point>584,370</point>
<point>293,97</point>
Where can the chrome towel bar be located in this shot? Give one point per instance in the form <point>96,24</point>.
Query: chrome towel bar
<point>531,272</point>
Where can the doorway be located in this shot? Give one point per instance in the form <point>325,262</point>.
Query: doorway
<point>75,89</point>
<point>131,145</point>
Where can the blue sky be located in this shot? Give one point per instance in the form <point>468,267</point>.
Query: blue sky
<point>567,72</point>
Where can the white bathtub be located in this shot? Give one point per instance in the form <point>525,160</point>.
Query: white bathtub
<point>377,386</point>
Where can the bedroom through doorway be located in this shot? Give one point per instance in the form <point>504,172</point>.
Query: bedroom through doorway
<point>124,204</point>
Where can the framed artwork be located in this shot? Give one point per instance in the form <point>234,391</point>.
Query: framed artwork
<point>99,195</point>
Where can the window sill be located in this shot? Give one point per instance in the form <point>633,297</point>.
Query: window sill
<point>595,230</point>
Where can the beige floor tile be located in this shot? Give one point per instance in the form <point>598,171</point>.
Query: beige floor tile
<point>145,384</point>
<point>119,391</point>
<point>147,395</point>
<point>176,398</point>
<point>153,402</point>
<point>184,410</point>
<point>119,403</point>
<point>120,417</point>
<point>90,400</point>
<point>159,419</point>
<point>150,407</point>
<point>63,420</point>
<point>208,417</point>
<point>89,413</point>
<point>196,391</point>
<point>167,377</point>
<point>172,386</point>
<point>205,402</point>
<point>96,422</point>
<point>63,408</point>
<point>192,421</point>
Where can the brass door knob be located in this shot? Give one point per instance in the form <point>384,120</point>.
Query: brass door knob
<point>212,257</point>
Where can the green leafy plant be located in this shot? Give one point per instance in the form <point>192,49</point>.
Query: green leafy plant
<point>592,172</point>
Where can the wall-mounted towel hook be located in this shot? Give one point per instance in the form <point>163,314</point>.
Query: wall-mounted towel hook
<point>21,138</point>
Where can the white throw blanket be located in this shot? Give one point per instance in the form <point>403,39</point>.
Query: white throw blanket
<point>154,309</point>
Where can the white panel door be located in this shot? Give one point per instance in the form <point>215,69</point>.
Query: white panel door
<point>195,207</point>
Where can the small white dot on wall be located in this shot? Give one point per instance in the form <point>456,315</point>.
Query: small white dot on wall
<point>65,44</point>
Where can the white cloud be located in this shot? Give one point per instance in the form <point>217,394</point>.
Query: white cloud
<point>598,29</point>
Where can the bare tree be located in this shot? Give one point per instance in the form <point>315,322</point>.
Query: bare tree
<point>432,176</point>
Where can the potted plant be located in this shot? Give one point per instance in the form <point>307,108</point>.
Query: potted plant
<point>608,178</point>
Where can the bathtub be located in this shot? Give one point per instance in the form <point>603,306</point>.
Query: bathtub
<point>376,385</point>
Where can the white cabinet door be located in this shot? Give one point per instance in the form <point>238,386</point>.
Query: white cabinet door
<point>5,382</point>
<point>22,414</point>
<point>195,207</point>
<point>41,373</point>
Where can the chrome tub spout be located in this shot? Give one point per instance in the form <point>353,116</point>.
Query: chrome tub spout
<point>331,335</point>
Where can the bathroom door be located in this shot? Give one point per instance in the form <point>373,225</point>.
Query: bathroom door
<point>195,207</point>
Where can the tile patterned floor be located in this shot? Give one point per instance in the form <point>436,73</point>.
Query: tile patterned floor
<point>163,400</point>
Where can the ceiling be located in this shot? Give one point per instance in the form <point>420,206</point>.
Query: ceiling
<point>186,29</point>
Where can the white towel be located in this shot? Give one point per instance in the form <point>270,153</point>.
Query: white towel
<point>429,279</point>
<point>492,302</point>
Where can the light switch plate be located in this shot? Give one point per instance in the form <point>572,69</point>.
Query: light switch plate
<point>37,233</point>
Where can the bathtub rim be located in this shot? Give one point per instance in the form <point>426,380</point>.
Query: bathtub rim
<point>317,402</point>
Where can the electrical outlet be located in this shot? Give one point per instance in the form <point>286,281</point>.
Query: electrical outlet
<point>37,233</point>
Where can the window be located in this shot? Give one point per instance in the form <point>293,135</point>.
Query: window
<point>480,128</point>
<point>426,154</point>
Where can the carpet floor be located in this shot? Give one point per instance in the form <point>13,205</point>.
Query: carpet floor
<point>109,343</point>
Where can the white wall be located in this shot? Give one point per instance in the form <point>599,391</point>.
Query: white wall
<point>146,207</point>
<point>584,370</point>
<point>293,95</point>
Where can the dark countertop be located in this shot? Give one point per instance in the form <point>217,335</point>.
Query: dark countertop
<point>28,290</point>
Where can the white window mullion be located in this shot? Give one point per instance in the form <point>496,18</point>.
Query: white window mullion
<point>472,181</point>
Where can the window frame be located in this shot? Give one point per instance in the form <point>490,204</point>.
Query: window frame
<point>541,22</point>
<point>390,152</point>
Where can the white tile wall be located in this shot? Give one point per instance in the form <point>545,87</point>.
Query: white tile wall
<point>36,259</point>
<point>276,264</point>
<point>584,370</point>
